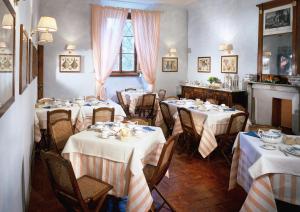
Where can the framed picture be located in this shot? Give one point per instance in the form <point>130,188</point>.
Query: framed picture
<point>278,20</point>
<point>6,62</point>
<point>33,61</point>
<point>170,64</point>
<point>204,64</point>
<point>24,73</point>
<point>69,63</point>
<point>229,64</point>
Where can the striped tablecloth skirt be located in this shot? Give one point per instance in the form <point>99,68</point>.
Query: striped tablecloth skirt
<point>263,191</point>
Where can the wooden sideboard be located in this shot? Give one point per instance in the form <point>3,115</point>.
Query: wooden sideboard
<point>223,96</point>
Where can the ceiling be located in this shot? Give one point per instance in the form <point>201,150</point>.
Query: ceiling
<point>170,2</point>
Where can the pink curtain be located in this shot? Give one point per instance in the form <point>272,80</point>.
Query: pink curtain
<point>107,32</point>
<point>146,27</point>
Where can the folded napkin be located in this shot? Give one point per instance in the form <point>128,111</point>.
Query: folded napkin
<point>229,109</point>
<point>252,133</point>
<point>148,129</point>
<point>291,139</point>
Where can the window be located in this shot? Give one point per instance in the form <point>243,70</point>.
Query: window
<point>126,63</point>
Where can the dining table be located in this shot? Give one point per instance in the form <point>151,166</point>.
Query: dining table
<point>81,113</point>
<point>266,171</point>
<point>116,153</point>
<point>210,120</point>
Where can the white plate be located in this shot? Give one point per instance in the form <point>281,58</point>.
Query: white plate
<point>268,147</point>
<point>292,151</point>
<point>296,146</point>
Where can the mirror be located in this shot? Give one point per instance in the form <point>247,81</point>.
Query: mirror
<point>24,73</point>
<point>7,55</point>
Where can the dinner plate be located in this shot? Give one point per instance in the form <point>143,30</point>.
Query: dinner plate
<point>292,151</point>
<point>268,147</point>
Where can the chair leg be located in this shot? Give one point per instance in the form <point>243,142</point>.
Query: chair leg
<point>99,205</point>
<point>164,199</point>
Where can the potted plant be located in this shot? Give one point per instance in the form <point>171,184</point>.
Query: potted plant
<point>214,82</point>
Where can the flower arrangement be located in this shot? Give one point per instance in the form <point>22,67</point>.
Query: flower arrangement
<point>212,80</point>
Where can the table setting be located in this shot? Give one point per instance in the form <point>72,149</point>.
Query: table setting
<point>116,153</point>
<point>266,163</point>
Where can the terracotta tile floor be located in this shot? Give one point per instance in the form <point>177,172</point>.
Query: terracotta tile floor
<point>194,185</point>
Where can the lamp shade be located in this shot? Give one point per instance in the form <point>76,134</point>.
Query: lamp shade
<point>45,37</point>
<point>47,24</point>
<point>2,45</point>
<point>7,21</point>
<point>70,47</point>
<point>172,50</point>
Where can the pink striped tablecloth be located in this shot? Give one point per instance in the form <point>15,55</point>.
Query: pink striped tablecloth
<point>127,177</point>
<point>267,186</point>
<point>213,122</point>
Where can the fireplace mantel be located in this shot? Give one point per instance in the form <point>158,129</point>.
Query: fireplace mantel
<point>260,102</point>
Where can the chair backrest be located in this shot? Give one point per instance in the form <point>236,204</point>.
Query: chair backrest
<point>164,161</point>
<point>213,101</point>
<point>239,107</point>
<point>162,94</point>
<point>187,122</point>
<point>237,123</point>
<point>130,89</point>
<point>148,100</point>
<point>103,114</point>
<point>61,130</point>
<point>171,98</point>
<point>55,115</point>
<point>62,179</point>
<point>168,119</point>
<point>120,99</point>
<point>90,98</point>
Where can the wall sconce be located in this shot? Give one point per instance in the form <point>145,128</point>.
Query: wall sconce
<point>267,54</point>
<point>45,37</point>
<point>172,52</point>
<point>70,48</point>
<point>7,21</point>
<point>3,46</point>
<point>226,47</point>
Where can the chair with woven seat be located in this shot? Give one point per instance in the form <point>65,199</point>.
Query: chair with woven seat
<point>130,89</point>
<point>103,114</point>
<point>140,121</point>
<point>162,94</point>
<point>61,130</point>
<point>146,109</point>
<point>213,101</point>
<point>239,107</point>
<point>155,174</point>
<point>122,103</point>
<point>171,98</point>
<point>168,119</point>
<point>190,135</point>
<point>237,123</point>
<point>86,193</point>
<point>90,98</point>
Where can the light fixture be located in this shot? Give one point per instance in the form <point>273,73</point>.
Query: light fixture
<point>172,51</point>
<point>45,37</point>
<point>47,24</point>
<point>7,21</point>
<point>227,47</point>
<point>3,45</point>
<point>70,48</point>
<point>267,54</point>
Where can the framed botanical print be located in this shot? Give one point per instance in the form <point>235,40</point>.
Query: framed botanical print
<point>278,20</point>
<point>170,64</point>
<point>229,64</point>
<point>6,62</point>
<point>69,63</point>
<point>24,73</point>
<point>204,64</point>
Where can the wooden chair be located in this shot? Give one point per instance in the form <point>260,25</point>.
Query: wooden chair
<point>213,101</point>
<point>103,114</point>
<point>85,193</point>
<point>190,135</point>
<point>90,98</point>
<point>61,130</point>
<point>154,174</point>
<point>45,100</point>
<point>55,115</point>
<point>239,107</point>
<point>122,103</point>
<point>237,123</point>
<point>146,109</point>
<point>140,121</point>
<point>171,98</point>
<point>162,94</point>
<point>168,119</point>
<point>130,89</point>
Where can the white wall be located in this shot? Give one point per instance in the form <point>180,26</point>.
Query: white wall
<point>16,129</point>
<point>211,23</point>
<point>74,27</point>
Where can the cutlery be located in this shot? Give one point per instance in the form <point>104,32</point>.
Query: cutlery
<point>281,150</point>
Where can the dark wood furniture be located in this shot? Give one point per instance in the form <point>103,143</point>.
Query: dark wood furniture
<point>295,34</point>
<point>146,109</point>
<point>226,97</point>
<point>155,174</point>
<point>85,193</point>
<point>61,131</point>
<point>122,103</point>
<point>103,114</point>
<point>168,119</point>
<point>55,115</point>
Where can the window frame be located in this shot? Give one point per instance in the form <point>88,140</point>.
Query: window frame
<point>122,73</point>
